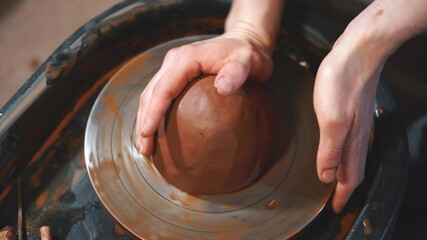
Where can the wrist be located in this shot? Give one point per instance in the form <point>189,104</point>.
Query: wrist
<point>257,21</point>
<point>261,41</point>
<point>383,26</point>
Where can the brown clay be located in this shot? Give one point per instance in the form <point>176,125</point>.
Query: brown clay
<point>209,143</point>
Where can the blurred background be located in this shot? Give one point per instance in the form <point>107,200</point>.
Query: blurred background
<point>31,30</point>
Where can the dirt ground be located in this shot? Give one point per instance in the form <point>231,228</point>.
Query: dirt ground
<point>31,30</point>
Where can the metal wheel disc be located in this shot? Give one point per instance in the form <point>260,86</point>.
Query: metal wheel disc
<point>278,205</point>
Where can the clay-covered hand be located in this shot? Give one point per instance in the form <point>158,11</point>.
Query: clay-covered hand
<point>232,57</point>
<point>346,84</point>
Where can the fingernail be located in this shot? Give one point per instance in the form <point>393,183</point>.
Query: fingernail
<point>224,86</point>
<point>338,210</point>
<point>140,145</point>
<point>329,175</point>
<point>144,127</point>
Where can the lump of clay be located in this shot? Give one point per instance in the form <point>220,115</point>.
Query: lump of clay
<point>209,143</point>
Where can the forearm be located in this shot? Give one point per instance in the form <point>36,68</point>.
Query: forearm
<point>403,19</point>
<point>258,20</point>
<point>383,26</point>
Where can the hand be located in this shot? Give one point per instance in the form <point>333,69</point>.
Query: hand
<point>232,56</point>
<point>345,88</point>
<point>344,96</point>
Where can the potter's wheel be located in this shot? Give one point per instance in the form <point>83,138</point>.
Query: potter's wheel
<point>278,205</point>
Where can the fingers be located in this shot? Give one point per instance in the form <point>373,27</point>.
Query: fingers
<point>350,173</point>
<point>333,134</point>
<point>235,72</point>
<point>168,87</point>
<point>232,76</point>
<point>144,145</point>
<point>341,196</point>
<point>341,156</point>
<point>179,67</point>
<point>167,83</point>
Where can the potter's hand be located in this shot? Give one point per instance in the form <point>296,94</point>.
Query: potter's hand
<point>344,96</point>
<point>242,51</point>
<point>346,84</point>
<point>231,56</point>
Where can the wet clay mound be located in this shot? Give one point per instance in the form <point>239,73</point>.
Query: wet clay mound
<point>212,144</point>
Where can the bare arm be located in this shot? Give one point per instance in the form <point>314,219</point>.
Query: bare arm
<point>346,84</point>
<point>258,20</point>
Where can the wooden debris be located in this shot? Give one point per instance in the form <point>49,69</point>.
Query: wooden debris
<point>45,233</point>
<point>7,233</point>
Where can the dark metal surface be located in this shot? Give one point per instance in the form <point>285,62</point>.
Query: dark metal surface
<point>42,127</point>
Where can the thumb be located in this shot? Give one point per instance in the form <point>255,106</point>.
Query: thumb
<point>329,154</point>
<point>232,76</point>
